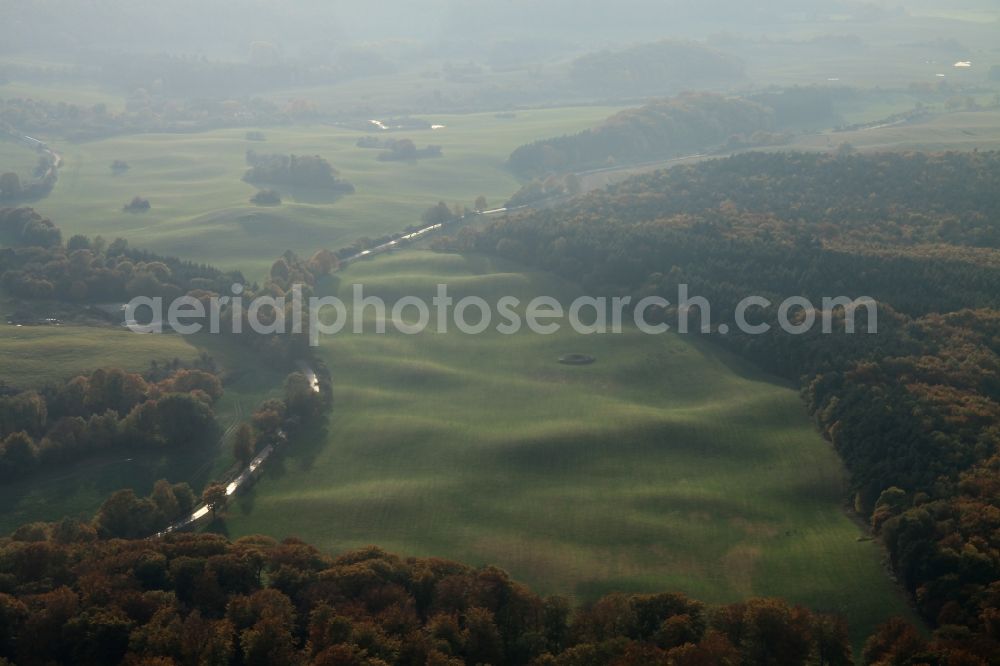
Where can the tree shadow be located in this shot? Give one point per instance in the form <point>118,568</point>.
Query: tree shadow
<point>247,500</point>
<point>218,526</point>
<point>309,441</point>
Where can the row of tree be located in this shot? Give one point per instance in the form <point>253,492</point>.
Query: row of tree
<point>275,421</point>
<point>84,270</point>
<point>144,112</point>
<point>39,266</point>
<point>108,408</point>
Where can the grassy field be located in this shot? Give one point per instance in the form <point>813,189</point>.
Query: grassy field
<point>82,94</point>
<point>965,130</point>
<point>33,356</point>
<point>17,158</point>
<point>665,465</point>
<point>200,208</point>
<point>962,130</point>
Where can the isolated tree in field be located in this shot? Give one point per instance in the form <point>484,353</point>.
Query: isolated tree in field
<point>214,497</point>
<point>244,444</point>
<point>480,203</point>
<point>323,262</point>
<point>300,397</point>
<point>137,205</point>
<point>404,148</point>
<point>119,167</point>
<point>266,198</point>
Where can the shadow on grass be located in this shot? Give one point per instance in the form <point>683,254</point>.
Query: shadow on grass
<point>739,366</point>
<point>308,442</point>
<point>218,526</point>
<point>247,500</point>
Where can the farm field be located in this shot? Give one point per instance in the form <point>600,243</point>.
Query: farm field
<point>964,130</point>
<point>17,158</point>
<point>33,356</point>
<point>665,465</point>
<point>200,206</point>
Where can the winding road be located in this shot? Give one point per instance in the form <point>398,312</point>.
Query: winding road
<point>246,474</point>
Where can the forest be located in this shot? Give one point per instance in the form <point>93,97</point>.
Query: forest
<point>689,123</point>
<point>658,68</point>
<point>38,265</point>
<point>67,595</point>
<point>106,409</point>
<point>305,171</point>
<point>912,410</point>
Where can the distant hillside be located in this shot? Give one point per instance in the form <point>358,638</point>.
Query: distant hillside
<point>660,68</point>
<point>659,130</point>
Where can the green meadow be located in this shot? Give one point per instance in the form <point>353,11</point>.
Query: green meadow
<point>962,130</point>
<point>201,209</point>
<point>17,158</point>
<point>33,356</point>
<point>667,464</point>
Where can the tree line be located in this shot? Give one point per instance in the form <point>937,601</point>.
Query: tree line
<point>106,409</point>
<point>658,68</point>
<point>39,266</point>
<point>693,122</point>
<point>144,112</point>
<point>67,595</point>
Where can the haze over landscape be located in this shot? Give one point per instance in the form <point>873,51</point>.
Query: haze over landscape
<point>499,332</point>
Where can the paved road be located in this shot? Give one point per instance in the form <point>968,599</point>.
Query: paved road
<point>420,233</point>
<point>247,474</point>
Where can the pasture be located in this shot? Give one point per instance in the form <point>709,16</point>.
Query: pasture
<point>665,465</point>
<point>200,206</point>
